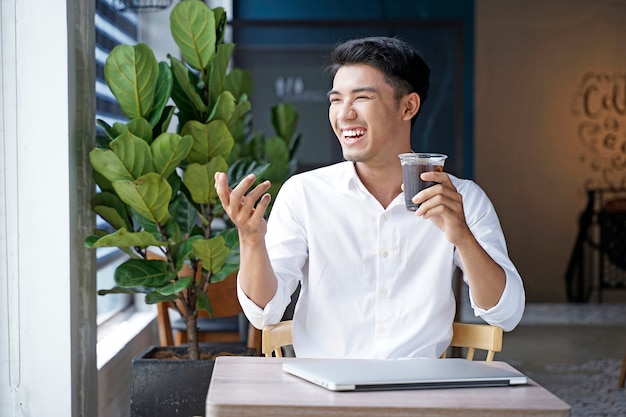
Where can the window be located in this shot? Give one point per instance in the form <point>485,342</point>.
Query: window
<point>112,28</point>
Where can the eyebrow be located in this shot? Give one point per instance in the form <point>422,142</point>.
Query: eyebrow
<point>355,91</point>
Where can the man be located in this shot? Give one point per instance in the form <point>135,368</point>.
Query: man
<point>376,278</point>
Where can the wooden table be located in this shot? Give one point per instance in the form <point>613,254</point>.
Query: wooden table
<point>257,386</point>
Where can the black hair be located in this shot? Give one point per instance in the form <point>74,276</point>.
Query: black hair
<point>402,64</point>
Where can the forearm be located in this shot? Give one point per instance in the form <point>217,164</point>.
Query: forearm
<point>256,275</point>
<point>484,276</point>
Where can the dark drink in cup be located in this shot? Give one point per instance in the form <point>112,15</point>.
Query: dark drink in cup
<point>413,164</point>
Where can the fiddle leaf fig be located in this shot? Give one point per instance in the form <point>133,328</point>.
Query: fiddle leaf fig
<point>209,140</point>
<point>143,273</point>
<point>156,185</point>
<point>200,180</point>
<point>122,238</point>
<point>168,150</point>
<point>175,287</point>
<point>219,69</point>
<point>128,158</point>
<point>285,120</point>
<point>149,195</point>
<point>189,21</point>
<point>212,252</point>
<point>141,128</point>
<point>109,206</point>
<point>131,73</point>
<point>162,94</point>
<point>186,94</point>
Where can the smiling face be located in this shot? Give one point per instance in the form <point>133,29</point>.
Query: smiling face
<point>372,125</point>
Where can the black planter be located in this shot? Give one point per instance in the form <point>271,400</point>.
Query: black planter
<point>171,387</point>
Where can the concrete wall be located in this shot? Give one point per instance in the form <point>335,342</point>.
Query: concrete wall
<point>531,60</point>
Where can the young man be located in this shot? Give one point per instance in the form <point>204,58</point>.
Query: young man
<point>376,278</point>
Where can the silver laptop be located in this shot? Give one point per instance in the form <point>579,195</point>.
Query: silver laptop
<point>397,374</point>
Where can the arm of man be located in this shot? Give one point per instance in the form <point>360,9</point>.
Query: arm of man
<point>256,276</point>
<point>443,205</point>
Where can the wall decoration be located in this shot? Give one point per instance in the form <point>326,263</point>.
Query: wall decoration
<point>600,106</point>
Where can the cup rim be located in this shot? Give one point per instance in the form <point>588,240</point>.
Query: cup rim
<point>423,155</point>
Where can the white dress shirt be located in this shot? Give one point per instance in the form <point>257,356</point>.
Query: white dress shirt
<point>376,283</point>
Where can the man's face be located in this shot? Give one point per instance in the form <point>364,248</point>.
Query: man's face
<point>365,115</point>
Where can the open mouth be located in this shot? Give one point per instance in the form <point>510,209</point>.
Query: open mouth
<point>352,135</point>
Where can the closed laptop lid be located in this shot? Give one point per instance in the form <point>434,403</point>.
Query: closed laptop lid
<point>394,374</point>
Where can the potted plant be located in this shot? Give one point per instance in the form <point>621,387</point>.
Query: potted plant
<point>156,183</point>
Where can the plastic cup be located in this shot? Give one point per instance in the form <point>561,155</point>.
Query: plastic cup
<point>413,164</point>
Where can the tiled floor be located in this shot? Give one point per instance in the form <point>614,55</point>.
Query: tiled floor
<point>575,351</point>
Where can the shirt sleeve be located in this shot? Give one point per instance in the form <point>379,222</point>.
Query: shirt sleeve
<point>483,221</point>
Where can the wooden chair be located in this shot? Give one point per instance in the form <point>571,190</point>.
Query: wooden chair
<point>476,336</point>
<point>224,326</point>
<point>467,336</point>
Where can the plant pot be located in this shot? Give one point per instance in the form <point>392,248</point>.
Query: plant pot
<point>174,387</point>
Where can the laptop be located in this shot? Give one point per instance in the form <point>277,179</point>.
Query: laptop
<point>398,374</point>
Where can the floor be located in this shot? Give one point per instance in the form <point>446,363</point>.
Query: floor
<point>575,351</point>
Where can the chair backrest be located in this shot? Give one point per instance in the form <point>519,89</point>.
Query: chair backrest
<point>469,336</point>
<point>274,337</point>
<point>476,336</point>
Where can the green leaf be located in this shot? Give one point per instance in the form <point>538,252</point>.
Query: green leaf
<point>220,24</point>
<point>224,107</point>
<point>154,298</point>
<point>239,82</point>
<point>117,290</point>
<point>128,158</point>
<point>209,140</point>
<point>143,273</point>
<point>185,93</point>
<point>200,180</point>
<point>277,152</point>
<point>285,120</point>
<point>231,239</point>
<point>111,209</point>
<point>122,238</point>
<point>204,304</point>
<point>149,195</point>
<point>183,250</point>
<point>141,128</point>
<point>168,150</point>
<point>244,167</point>
<point>176,286</point>
<point>219,69</point>
<point>193,28</point>
<point>236,123</point>
<point>164,86</point>
<point>131,73</point>
<point>212,253</point>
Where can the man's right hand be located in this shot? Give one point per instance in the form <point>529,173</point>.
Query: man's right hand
<point>242,207</point>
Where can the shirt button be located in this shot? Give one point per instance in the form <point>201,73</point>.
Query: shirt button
<point>383,253</point>
<point>382,291</point>
<point>381,329</point>
<point>384,217</point>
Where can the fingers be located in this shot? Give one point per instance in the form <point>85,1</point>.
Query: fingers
<point>240,199</point>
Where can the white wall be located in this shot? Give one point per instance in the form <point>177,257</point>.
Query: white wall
<point>47,332</point>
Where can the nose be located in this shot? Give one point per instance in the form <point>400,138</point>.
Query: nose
<point>346,111</point>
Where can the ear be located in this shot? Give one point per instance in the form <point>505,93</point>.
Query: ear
<point>410,104</point>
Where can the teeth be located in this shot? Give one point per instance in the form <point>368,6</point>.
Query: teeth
<point>354,132</point>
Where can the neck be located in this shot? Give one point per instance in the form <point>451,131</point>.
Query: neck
<point>382,183</point>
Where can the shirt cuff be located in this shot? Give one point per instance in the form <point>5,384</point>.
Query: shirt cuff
<point>256,315</point>
<point>508,312</point>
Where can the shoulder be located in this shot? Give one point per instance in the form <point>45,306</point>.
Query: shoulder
<point>335,174</point>
<point>476,203</point>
